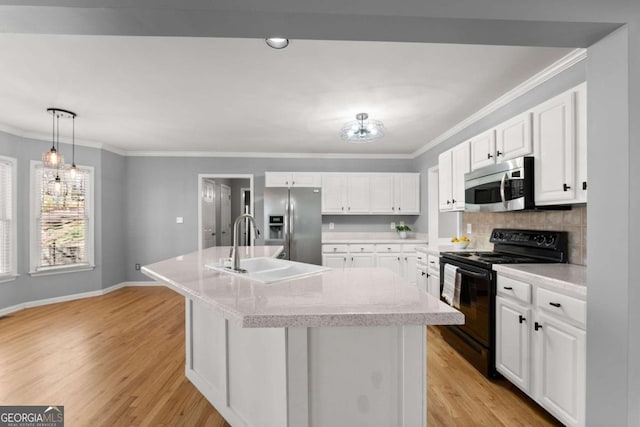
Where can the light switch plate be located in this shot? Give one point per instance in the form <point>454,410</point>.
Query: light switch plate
<point>179,220</point>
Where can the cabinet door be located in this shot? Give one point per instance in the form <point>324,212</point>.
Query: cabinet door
<point>483,149</point>
<point>277,179</point>
<point>513,138</point>
<point>581,143</point>
<point>422,279</point>
<point>363,261</point>
<point>390,262</point>
<point>513,324</point>
<point>461,164</point>
<point>358,194</point>
<point>434,285</point>
<point>382,194</point>
<point>407,193</point>
<point>409,267</point>
<point>560,369</point>
<point>303,179</point>
<point>338,261</point>
<point>445,168</point>
<point>333,194</point>
<point>554,150</point>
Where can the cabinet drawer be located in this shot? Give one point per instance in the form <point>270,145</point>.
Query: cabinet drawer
<point>382,249</point>
<point>408,248</point>
<point>434,262</point>
<point>421,257</point>
<point>562,305</point>
<point>334,249</point>
<point>355,249</point>
<point>514,289</point>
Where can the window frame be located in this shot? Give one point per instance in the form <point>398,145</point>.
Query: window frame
<point>13,247</point>
<point>34,268</point>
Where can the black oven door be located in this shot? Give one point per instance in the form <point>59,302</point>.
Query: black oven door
<point>475,299</point>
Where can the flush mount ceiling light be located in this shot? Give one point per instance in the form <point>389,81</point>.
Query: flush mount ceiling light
<point>362,129</point>
<point>277,42</point>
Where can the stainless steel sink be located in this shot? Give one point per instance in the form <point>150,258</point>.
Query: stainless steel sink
<point>270,270</point>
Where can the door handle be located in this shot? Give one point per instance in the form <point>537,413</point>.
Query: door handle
<point>555,304</point>
<point>521,318</point>
<point>502,184</point>
<point>537,326</point>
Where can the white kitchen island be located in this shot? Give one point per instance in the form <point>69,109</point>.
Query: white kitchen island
<point>337,348</point>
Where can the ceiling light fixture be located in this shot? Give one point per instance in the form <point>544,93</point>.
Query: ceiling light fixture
<point>277,42</point>
<point>53,159</point>
<point>362,129</point>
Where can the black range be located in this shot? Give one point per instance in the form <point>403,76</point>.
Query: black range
<point>475,340</point>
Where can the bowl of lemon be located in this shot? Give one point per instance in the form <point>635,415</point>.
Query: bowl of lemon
<point>460,242</point>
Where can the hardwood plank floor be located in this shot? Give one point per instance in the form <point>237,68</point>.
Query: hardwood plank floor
<point>118,360</point>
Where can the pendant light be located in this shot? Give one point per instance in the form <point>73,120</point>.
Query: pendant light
<point>73,169</point>
<point>53,158</point>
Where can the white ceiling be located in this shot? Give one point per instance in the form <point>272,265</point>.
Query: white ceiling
<point>141,94</point>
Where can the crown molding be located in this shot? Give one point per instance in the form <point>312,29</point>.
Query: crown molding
<point>267,155</point>
<point>537,79</point>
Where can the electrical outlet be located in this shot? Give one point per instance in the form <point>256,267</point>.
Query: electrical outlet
<point>469,228</point>
<point>331,226</point>
<point>138,267</point>
<point>393,226</point>
<point>179,220</point>
<point>401,222</point>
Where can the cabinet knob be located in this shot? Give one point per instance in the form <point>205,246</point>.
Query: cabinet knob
<point>406,259</point>
<point>555,304</point>
<point>424,274</point>
<point>349,208</point>
<point>489,156</point>
<point>565,187</point>
<point>499,153</point>
<point>399,209</point>
<point>398,258</point>
<point>342,208</point>
<point>293,183</point>
<point>448,202</point>
<point>584,185</point>
<point>537,326</point>
<point>453,201</point>
<point>286,182</point>
<point>521,318</point>
<point>508,288</point>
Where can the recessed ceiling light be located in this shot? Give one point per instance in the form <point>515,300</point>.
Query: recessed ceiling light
<point>277,42</point>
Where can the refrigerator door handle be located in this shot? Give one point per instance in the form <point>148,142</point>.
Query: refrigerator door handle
<point>292,217</point>
<point>287,235</point>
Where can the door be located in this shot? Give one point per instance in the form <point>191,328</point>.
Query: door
<point>225,215</point>
<point>444,180</point>
<point>460,164</point>
<point>390,262</point>
<point>554,150</point>
<point>358,194</point>
<point>208,207</point>
<point>305,225</point>
<point>433,284</point>
<point>363,261</point>
<point>513,324</point>
<point>382,194</point>
<point>338,261</point>
<point>277,179</point>
<point>513,138</point>
<point>334,193</point>
<point>560,369</point>
<point>410,265</point>
<point>483,149</point>
<point>422,278</point>
<point>407,193</point>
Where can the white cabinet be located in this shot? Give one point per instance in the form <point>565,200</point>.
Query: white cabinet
<point>401,259</point>
<point>560,369</point>
<point>513,138</point>
<point>541,346</point>
<point>370,193</point>
<point>390,262</point>
<point>483,149</point>
<point>338,261</point>
<point>433,271</point>
<point>348,256</point>
<point>559,147</point>
<point>512,342</point>
<point>292,179</point>
<point>452,165</point>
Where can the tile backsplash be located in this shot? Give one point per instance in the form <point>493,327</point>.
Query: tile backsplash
<point>573,221</point>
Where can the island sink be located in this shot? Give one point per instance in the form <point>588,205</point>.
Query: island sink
<point>270,270</point>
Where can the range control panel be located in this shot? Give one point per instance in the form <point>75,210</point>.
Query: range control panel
<point>528,238</point>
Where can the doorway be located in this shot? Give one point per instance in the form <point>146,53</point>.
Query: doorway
<point>222,198</point>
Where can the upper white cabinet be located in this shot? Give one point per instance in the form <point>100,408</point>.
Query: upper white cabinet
<point>483,149</point>
<point>292,179</point>
<point>452,165</point>
<point>559,147</point>
<point>366,193</point>
<point>513,138</point>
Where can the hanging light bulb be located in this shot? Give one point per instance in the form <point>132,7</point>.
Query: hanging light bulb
<point>73,169</point>
<point>56,187</point>
<point>52,158</point>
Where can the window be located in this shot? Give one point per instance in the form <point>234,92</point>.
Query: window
<point>8,216</point>
<point>61,220</point>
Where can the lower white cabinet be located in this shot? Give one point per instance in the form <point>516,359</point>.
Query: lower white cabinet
<point>348,256</point>
<point>541,346</point>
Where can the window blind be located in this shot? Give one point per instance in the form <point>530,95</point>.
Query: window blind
<point>63,221</point>
<point>6,217</point>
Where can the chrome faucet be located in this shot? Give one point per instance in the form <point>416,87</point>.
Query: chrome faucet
<point>235,259</point>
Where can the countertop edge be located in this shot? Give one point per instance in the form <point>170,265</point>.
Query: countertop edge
<point>515,271</point>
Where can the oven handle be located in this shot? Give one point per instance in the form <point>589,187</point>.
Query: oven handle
<point>473,274</point>
<point>502,183</point>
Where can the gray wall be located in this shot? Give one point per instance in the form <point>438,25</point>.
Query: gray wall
<point>160,189</point>
<point>112,222</point>
<point>26,288</point>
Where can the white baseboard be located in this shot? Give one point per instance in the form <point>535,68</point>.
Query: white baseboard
<point>100,292</point>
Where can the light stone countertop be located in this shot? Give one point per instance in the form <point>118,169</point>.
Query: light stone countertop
<point>335,238</point>
<point>349,297</point>
<point>569,278</point>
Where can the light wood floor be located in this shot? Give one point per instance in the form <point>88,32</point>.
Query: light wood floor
<point>118,360</point>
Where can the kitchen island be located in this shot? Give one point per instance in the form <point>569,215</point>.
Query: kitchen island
<point>336,348</point>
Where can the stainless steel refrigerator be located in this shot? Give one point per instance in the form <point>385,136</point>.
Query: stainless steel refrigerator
<point>293,219</point>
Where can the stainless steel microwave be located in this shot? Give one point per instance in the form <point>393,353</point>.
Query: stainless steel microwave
<point>506,186</point>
